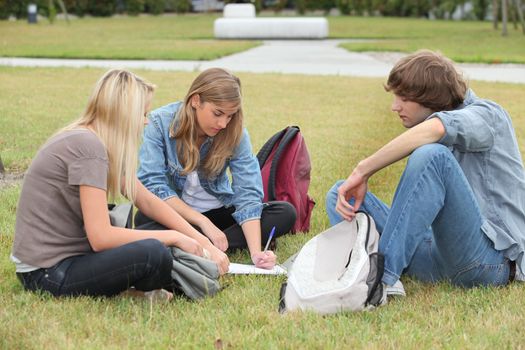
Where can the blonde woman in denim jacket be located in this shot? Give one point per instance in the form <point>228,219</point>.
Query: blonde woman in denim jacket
<point>188,148</point>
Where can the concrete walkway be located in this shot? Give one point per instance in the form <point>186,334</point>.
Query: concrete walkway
<point>317,57</point>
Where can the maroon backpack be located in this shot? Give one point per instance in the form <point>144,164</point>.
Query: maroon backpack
<point>285,168</point>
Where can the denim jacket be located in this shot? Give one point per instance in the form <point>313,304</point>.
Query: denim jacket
<point>482,139</point>
<point>160,169</point>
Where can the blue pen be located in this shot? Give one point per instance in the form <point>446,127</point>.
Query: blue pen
<point>269,239</point>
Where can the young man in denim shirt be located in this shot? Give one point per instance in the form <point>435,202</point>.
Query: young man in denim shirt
<point>458,211</point>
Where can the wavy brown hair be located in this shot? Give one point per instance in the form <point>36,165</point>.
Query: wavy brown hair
<point>428,78</point>
<point>217,86</point>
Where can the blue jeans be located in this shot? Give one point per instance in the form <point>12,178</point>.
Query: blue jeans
<point>433,230</point>
<point>145,264</point>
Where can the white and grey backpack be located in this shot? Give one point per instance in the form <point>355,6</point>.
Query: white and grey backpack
<point>340,269</point>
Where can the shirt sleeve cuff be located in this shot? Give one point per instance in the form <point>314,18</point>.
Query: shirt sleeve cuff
<point>164,194</point>
<point>252,212</point>
<point>450,131</point>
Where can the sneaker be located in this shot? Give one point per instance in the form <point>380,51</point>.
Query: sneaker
<point>156,295</point>
<point>520,277</point>
<point>396,289</point>
<point>384,298</point>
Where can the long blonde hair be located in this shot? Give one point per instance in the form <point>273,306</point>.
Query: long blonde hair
<point>115,112</point>
<point>217,86</point>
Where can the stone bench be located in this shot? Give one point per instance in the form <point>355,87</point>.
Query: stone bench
<point>239,11</point>
<point>271,28</point>
<point>239,22</point>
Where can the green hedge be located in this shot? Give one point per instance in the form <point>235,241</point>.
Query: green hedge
<point>134,7</point>
<point>155,7</point>
<point>404,8</point>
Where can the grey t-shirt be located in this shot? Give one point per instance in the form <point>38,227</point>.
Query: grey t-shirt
<point>49,224</point>
<point>482,139</point>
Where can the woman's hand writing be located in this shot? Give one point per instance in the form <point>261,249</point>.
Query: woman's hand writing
<point>264,260</point>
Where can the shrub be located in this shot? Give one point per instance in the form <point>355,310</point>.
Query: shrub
<point>19,8</point>
<point>326,5</point>
<point>77,7</point>
<point>480,8</point>
<point>300,6</point>
<point>51,12</point>
<point>102,8</point>
<point>277,5</point>
<point>134,7</point>
<point>344,6</point>
<point>4,9</point>
<point>182,6</point>
<point>403,8</point>
<point>155,7</point>
<point>257,4</point>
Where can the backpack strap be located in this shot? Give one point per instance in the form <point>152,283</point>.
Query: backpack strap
<point>282,302</point>
<point>367,229</point>
<point>266,149</point>
<point>120,215</point>
<point>290,133</point>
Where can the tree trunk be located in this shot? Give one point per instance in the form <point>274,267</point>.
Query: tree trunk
<point>63,8</point>
<point>495,14</point>
<point>2,169</point>
<point>513,14</point>
<point>504,13</point>
<point>519,10</point>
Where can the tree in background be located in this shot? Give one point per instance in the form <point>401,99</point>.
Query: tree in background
<point>344,6</point>
<point>515,7</point>
<point>157,7</point>
<point>519,10</point>
<point>101,8</point>
<point>52,12</point>
<point>480,9</point>
<point>441,9</point>
<point>134,7</point>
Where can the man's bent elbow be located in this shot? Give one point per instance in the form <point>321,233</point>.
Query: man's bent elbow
<point>438,129</point>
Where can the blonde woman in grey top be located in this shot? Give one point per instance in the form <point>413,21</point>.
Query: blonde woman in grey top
<point>64,242</point>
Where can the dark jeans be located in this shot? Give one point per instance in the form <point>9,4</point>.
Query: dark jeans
<point>279,214</point>
<point>144,264</point>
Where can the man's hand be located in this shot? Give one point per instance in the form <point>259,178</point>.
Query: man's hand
<point>354,187</point>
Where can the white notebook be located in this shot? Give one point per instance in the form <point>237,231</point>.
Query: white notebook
<point>251,269</point>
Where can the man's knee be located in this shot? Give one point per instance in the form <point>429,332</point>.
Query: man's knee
<point>425,153</point>
<point>331,195</point>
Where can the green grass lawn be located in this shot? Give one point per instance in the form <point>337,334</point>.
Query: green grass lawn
<point>343,120</point>
<point>190,37</point>
<point>463,41</point>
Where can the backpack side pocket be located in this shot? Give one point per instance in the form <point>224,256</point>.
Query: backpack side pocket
<point>375,286</point>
